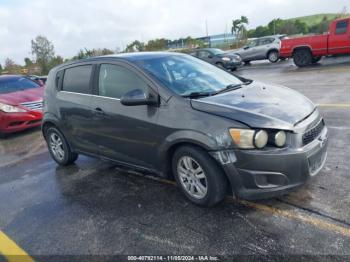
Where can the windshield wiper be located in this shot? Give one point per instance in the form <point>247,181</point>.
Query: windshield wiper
<point>197,94</point>
<point>228,88</point>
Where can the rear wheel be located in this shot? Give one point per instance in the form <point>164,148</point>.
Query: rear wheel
<point>59,148</point>
<point>198,176</point>
<point>3,135</point>
<point>302,57</point>
<point>273,56</point>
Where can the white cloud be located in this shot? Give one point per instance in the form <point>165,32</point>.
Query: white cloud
<point>75,24</point>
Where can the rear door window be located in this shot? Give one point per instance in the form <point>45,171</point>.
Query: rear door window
<point>77,79</point>
<point>266,41</point>
<point>342,27</point>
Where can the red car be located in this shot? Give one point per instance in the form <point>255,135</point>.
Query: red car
<point>307,50</point>
<point>21,102</point>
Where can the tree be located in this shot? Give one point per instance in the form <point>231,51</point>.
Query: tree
<point>0,68</point>
<point>28,62</point>
<point>86,53</point>
<point>11,67</point>
<point>239,28</point>
<point>156,44</point>
<point>135,46</point>
<point>57,60</point>
<point>44,52</point>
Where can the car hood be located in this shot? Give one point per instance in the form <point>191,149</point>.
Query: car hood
<point>259,105</point>
<point>18,97</point>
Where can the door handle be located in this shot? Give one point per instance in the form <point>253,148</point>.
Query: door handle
<point>99,111</point>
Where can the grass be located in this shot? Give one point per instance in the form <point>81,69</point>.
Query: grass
<point>311,20</point>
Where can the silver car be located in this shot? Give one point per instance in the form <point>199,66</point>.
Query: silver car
<point>266,47</point>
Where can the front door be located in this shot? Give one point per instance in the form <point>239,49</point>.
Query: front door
<point>124,133</point>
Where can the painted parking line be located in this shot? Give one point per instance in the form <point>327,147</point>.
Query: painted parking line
<point>11,251</point>
<point>319,223</point>
<point>301,217</point>
<point>334,105</point>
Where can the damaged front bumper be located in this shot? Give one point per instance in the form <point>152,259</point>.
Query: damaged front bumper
<point>258,174</point>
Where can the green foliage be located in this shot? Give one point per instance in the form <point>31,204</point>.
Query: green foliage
<point>156,44</point>
<point>44,52</point>
<point>86,53</point>
<point>11,67</point>
<point>135,46</point>
<point>239,27</point>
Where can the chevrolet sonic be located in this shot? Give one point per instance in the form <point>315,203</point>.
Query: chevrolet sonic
<point>179,117</point>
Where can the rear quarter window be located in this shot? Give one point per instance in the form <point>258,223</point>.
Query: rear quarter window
<point>77,79</point>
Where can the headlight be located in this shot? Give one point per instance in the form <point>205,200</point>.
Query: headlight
<point>280,138</point>
<point>10,109</point>
<point>260,139</point>
<point>226,59</point>
<point>248,139</point>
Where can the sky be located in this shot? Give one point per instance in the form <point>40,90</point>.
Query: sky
<point>75,24</point>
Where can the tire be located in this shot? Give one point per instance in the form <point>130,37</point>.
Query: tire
<point>204,188</point>
<point>3,135</point>
<point>59,148</point>
<point>302,57</point>
<point>273,56</point>
<point>247,63</point>
<point>316,59</point>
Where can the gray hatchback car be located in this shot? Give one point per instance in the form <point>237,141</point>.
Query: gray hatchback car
<point>261,48</point>
<point>179,117</point>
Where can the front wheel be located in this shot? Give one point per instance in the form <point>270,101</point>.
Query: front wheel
<point>302,57</point>
<point>59,148</point>
<point>199,176</point>
<point>273,56</point>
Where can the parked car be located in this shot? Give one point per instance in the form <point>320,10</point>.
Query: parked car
<point>41,80</point>
<point>20,103</point>
<point>261,48</point>
<point>218,57</point>
<point>177,116</point>
<point>308,50</point>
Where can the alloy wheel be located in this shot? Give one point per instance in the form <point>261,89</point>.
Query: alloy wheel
<point>192,177</point>
<point>56,146</point>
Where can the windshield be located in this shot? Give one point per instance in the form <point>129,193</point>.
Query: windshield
<point>14,84</point>
<point>185,74</point>
<point>217,51</point>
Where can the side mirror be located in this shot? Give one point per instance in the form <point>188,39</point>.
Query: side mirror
<point>210,56</point>
<point>137,97</point>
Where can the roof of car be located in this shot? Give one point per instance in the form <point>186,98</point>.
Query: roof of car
<point>124,56</point>
<point>5,77</point>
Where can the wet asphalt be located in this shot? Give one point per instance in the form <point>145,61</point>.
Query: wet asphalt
<point>97,208</point>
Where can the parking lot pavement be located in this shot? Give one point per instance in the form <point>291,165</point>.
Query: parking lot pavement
<point>94,207</point>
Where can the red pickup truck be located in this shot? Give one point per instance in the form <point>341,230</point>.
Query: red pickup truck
<point>308,50</point>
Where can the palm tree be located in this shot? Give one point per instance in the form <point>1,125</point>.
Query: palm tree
<point>239,28</point>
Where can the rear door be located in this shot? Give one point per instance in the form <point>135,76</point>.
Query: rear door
<point>264,45</point>
<point>74,105</point>
<point>249,50</point>
<point>124,133</point>
<point>339,39</point>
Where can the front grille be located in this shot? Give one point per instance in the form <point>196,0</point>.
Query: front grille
<point>313,133</point>
<point>37,105</point>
